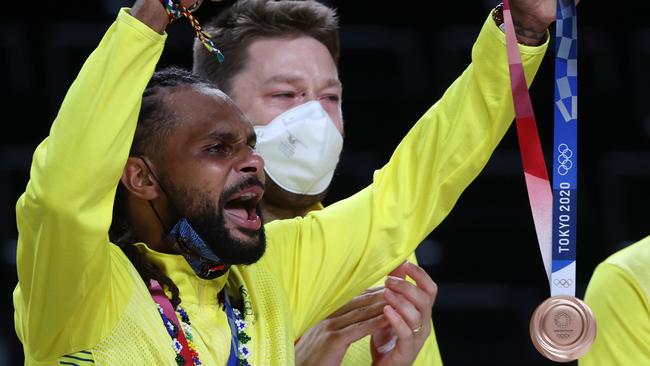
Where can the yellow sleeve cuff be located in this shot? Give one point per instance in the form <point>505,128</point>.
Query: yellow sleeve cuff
<point>125,17</point>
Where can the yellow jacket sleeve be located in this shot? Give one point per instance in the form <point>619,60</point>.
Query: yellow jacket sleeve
<point>329,256</point>
<point>65,299</point>
<point>618,296</point>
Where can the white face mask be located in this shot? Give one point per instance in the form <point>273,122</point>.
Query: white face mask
<point>301,148</point>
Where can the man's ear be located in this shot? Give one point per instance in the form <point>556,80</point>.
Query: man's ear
<point>138,180</point>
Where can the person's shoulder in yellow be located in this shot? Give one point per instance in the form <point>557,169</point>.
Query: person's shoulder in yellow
<point>618,294</point>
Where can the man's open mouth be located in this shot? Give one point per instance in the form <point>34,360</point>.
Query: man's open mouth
<point>241,208</point>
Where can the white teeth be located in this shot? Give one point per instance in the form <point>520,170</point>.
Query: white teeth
<point>247,196</point>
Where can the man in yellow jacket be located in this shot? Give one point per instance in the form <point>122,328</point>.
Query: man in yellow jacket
<point>185,216</point>
<point>619,295</point>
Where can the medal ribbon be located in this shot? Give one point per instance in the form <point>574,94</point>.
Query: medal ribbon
<point>554,211</point>
<point>233,359</point>
<point>565,163</point>
<point>159,296</point>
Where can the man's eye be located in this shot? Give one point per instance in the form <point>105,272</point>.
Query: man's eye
<point>284,95</point>
<point>219,149</point>
<point>332,98</point>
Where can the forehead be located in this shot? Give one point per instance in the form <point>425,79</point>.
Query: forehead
<point>203,111</point>
<point>296,58</point>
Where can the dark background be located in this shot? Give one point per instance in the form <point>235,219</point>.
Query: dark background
<point>397,59</point>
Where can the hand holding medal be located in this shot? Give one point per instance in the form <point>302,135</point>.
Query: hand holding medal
<point>563,327</point>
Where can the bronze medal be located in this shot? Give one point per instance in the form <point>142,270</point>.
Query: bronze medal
<point>563,328</point>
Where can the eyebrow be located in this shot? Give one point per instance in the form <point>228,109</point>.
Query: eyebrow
<point>295,80</point>
<point>229,137</point>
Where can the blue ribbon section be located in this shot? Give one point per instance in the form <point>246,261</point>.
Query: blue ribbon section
<point>233,359</point>
<point>565,162</point>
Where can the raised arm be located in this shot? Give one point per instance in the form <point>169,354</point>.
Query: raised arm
<point>64,256</point>
<point>346,247</point>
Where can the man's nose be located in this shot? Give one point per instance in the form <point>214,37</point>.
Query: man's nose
<point>250,161</point>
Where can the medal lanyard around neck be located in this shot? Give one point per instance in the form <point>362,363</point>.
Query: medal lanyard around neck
<point>554,212</point>
<point>160,298</point>
<point>233,359</point>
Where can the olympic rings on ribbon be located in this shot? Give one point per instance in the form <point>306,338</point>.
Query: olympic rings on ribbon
<point>566,283</point>
<point>564,159</point>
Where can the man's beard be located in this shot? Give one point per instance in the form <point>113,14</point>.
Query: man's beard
<point>208,221</point>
